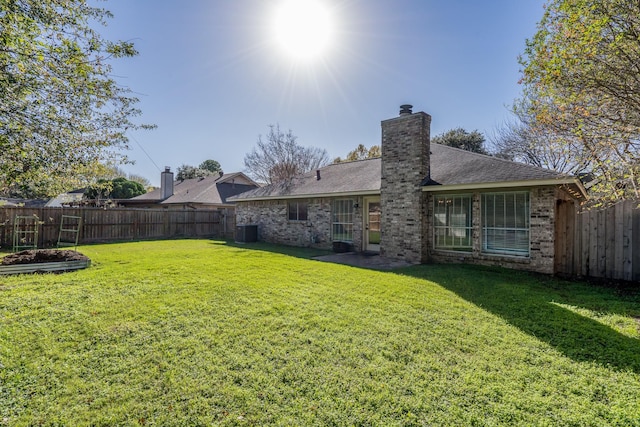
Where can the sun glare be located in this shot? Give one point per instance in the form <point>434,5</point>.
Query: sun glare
<point>302,28</point>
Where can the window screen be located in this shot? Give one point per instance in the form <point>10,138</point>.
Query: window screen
<point>297,211</point>
<point>342,227</point>
<point>453,222</point>
<point>505,223</point>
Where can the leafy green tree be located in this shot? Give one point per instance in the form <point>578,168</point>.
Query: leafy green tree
<point>62,115</point>
<point>211,166</point>
<point>581,73</point>
<point>460,138</point>
<point>280,157</point>
<point>360,153</point>
<point>191,172</point>
<point>117,188</point>
<point>117,172</point>
<point>140,180</point>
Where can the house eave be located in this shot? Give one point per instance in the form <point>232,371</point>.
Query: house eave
<point>310,196</point>
<point>185,203</point>
<point>507,184</point>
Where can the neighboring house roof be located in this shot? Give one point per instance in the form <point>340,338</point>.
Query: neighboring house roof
<point>451,168</point>
<point>210,190</point>
<point>11,202</point>
<point>71,197</point>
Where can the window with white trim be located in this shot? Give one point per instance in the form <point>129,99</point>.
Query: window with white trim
<point>505,223</point>
<point>298,211</point>
<point>453,222</point>
<point>342,226</point>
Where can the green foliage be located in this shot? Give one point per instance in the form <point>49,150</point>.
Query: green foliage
<point>199,332</point>
<point>117,188</point>
<point>140,180</point>
<point>580,76</point>
<point>206,168</point>
<point>191,172</point>
<point>460,138</point>
<point>211,166</point>
<point>360,153</point>
<point>280,157</point>
<point>62,115</point>
<point>112,172</point>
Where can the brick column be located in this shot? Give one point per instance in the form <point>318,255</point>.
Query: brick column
<point>405,163</point>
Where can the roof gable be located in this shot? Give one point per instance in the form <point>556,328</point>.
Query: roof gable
<point>209,190</point>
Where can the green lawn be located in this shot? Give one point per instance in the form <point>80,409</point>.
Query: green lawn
<point>199,332</point>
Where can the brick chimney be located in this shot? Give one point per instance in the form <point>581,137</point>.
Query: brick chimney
<point>405,163</point>
<point>166,183</point>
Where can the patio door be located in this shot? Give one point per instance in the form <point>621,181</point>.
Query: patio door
<point>372,212</point>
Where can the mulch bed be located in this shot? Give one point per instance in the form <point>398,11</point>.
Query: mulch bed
<point>41,256</point>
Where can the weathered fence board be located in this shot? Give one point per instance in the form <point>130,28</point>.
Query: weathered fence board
<point>120,224</point>
<point>605,243</point>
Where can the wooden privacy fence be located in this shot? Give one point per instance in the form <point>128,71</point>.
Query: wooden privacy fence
<point>603,243</point>
<point>120,224</point>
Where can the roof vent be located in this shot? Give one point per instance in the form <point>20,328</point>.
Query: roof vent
<point>405,109</point>
<point>318,175</point>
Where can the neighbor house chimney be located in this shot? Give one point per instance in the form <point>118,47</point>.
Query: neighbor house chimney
<point>166,183</point>
<point>405,163</point>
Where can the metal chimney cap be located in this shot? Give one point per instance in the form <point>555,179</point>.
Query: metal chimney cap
<point>405,109</point>
<point>167,169</point>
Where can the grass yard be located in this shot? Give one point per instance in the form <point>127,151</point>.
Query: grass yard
<point>200,332</point>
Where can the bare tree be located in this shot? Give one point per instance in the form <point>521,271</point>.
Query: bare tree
<point>521,139</point>
<point>279,157</point>
<point>360,153</point>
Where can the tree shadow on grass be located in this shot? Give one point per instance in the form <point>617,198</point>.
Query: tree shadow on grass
<point>294,251</point>
<point>531,303</point>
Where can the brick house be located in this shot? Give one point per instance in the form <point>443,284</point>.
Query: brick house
<point>420,202</point>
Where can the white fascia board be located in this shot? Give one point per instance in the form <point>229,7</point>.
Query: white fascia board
<point>503,184</point>
<point>311,196</point>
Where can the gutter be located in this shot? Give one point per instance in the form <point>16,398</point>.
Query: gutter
<point>507,184</point>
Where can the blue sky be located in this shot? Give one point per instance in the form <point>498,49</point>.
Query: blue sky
<point>211,78</point>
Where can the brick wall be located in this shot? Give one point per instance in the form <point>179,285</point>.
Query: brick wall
<point>542,225</point>
<point>274,226</point>
<point>405,163</point>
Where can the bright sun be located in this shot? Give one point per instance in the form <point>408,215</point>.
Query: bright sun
<point>303,28</point>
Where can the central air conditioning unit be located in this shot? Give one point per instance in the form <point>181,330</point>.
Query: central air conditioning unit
<point>246,233</point>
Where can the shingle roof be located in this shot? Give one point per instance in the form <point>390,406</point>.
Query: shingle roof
<point>210,190</point>
<point>351,177</point>
<point>23,203</point>
<point>449,166</point>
